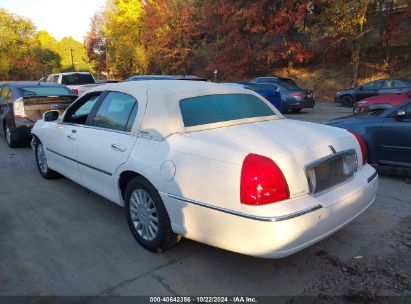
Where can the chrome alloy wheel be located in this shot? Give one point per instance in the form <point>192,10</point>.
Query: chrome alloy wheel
<point>144,214</point>
<point>41,159</point>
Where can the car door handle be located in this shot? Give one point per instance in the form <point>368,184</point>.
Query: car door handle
<point>71,137</point>
<point>117,147</point>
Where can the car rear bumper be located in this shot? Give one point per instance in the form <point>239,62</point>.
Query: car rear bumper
<point>276,236</point>
<point>295,104</point>
<point>22,131</point>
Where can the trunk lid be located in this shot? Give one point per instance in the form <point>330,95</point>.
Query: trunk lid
<point>35,106</point>
<point>291,144</point>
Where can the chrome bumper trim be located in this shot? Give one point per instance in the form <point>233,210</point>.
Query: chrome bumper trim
<point>370,179</point>
<point>249,216</point>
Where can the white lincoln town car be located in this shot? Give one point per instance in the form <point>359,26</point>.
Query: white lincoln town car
<point>209,162</point>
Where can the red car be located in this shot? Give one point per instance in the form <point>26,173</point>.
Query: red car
<point>380,102</point>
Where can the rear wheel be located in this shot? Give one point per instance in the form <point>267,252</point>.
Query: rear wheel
<point>347,101</point>
<point>147,216</point>
<point>8,134</point>
<point>42,165</point>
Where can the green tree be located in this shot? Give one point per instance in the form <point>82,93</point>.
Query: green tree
<point>16,37</point>
<point>122,34</point>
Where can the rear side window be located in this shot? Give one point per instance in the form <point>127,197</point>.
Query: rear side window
<point>209,109</point>
<point>77,79</point>
<point>116,112</point>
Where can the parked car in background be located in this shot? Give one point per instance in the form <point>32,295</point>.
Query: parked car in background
<point>294,98</point>
<point>272,79</point>
<point>78,82</point>
<point>383,86</point>
<point>272,96</point>
<point>387,136</point>
<point>165,77</point>
<point>23,103</point>
<point>381,102</point>
<point>175,153</point>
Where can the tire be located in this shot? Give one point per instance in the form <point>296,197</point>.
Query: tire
<point>147,216</point>
<point>296,110</point>
<point>41,162</point>
<point>9,138</point>
<point>347,101</point>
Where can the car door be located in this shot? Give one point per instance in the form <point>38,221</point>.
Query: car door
<point>63,137</point>
<point>367,90</point>
<point>395,140</point>
<point>106,142</point>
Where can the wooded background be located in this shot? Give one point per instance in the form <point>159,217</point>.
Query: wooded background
<point>361,39</point>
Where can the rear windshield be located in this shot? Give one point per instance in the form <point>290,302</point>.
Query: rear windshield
<point>78,79</point>
<point>289,86</point>
<point>39,90</point>
<point>209,109</point>
<point>256,87</point>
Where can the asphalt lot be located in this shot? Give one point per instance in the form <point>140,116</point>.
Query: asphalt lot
<point>57,238</point>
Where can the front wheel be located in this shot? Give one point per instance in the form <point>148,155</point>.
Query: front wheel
<point>347,101</point>
<point>41,161</point>
<point>147,216</point>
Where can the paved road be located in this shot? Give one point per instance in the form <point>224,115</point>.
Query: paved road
<point>57,238</point>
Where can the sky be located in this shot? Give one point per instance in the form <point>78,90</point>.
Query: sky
<point>60,18</point>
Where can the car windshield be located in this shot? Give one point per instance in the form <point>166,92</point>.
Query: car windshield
<point>78,79</point>
<point>40,90</point>
<point>209,109</point>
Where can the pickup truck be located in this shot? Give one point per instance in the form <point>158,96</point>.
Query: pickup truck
<point>78,82</point>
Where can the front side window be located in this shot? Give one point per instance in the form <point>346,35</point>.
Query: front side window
<point>79,111</point>
<point>116,112</point>
<point>209,109</point>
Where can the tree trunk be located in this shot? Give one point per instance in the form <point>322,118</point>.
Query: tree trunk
<point>356,50</point>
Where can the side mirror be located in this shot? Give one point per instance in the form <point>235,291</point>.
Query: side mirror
<point>51,115</point>
<point>401,114</point>
<point>361,88</point>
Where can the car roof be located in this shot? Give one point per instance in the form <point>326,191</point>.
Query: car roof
<point>161,100</point>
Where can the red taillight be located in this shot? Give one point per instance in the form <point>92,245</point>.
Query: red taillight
<point>262,181</point>
<point>75,91</point>
<point>297,94</point>
<point>363,146</point>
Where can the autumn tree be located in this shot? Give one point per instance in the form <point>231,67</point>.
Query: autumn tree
<point>252,38</point>
<point>96,43</point>
<point>170,35</point>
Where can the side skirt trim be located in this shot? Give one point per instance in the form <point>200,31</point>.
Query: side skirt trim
<point>80,163</point>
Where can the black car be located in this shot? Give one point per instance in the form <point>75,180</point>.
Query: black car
<point>23,103</point>
<point>293,97</point>
<point>383,86</point>
<point>165,77</point>
<point>387,134</point>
